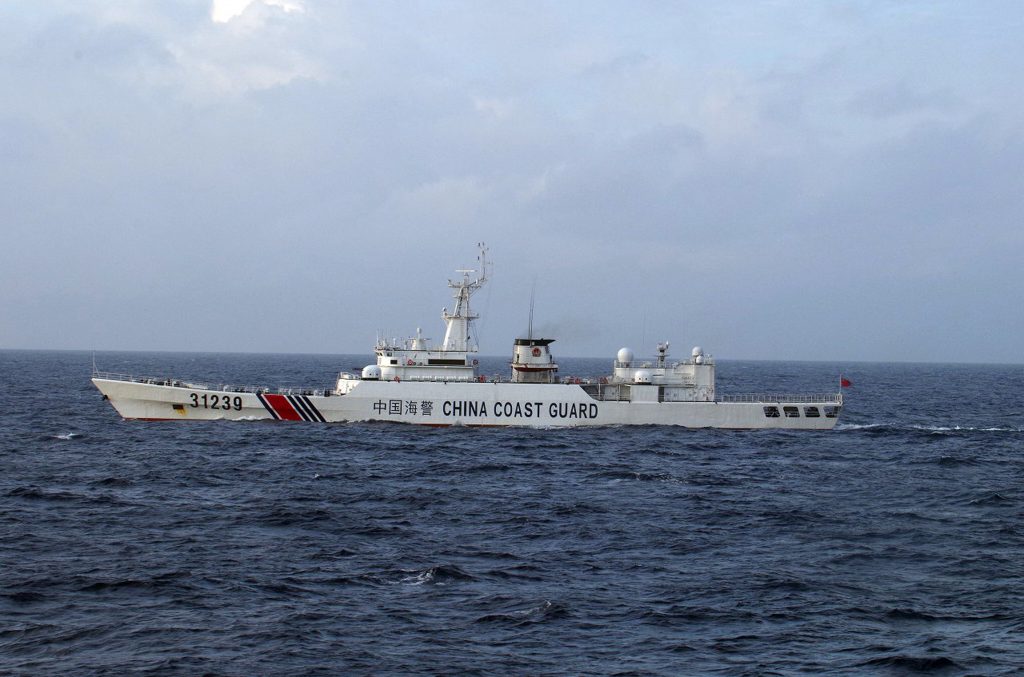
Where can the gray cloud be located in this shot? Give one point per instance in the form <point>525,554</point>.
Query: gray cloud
<point>770,180</point>
<point>899,98</point>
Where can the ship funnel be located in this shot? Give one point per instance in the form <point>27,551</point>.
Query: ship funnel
<point>532,361</point>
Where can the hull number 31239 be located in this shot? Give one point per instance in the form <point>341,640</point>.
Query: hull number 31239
<point>225,402</point>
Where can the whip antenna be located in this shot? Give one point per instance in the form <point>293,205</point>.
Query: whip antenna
<point>533,293</point>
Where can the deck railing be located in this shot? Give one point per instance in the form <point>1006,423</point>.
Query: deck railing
<point>825,398</point>
<point>225,388</point>
<point>621,394</point>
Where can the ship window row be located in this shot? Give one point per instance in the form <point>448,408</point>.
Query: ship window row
<point>794,412</point>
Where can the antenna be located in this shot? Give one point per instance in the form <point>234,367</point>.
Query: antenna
<point>533,293</point>
<point>482,258</point>
<point>643,327</point>
<point>457,335</point>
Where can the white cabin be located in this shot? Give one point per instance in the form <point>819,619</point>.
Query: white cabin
<point>413,359</point>
<point>691,380</point>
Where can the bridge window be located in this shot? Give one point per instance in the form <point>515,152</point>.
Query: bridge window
<point>791,412</point>
<point>811,412</point>
<point>832,412</point>
<point>771,412</point>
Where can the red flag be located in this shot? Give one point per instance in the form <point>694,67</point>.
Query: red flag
<point>845,382</point>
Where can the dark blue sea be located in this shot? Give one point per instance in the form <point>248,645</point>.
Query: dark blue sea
<point>891,545</point>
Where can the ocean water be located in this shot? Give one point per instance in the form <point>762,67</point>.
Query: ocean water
<point>891,545</point>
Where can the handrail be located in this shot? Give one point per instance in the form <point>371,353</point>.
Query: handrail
<point>177,383</point>
<point>826,398</point>
<point>836,398</point>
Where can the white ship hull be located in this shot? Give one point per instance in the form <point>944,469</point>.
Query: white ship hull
<point>418,383</point>
<point>553,405</point>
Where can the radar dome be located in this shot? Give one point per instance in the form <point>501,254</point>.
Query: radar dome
<point>697,351</point>
<point>642,376</point>
<point>371,372</point>
<point>624,356</point>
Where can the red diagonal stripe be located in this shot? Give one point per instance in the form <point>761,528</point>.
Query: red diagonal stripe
<point>283,407</point>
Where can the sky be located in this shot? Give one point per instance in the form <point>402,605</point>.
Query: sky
<point>836,181</point>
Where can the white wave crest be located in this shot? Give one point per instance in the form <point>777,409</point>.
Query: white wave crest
<point>929,428</point>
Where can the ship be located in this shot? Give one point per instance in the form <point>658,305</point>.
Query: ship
<point>415,381</point>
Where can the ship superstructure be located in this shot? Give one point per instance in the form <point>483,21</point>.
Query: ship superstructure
<point>414,359</point>
<point>414,381</point>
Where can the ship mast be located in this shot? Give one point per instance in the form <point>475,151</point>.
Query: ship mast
<point>456,336</point>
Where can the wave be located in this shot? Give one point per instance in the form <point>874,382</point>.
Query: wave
<point>35,493</point>
<point>112,482</point>
<point>954,461</point>
<point>991,499</point>
<point>65,437</point>
<point>439,575</point>
<point>545,611</point>
<point>289,516</point>
<point>907,614</point>
<point>913,663</point>
<point>635,475</point>
<point>522,572</point>
<point>160,580</point>
<point>23,597</point>
<point>916,427</point>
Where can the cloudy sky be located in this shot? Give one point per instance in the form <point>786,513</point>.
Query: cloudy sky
<point>776,179</point>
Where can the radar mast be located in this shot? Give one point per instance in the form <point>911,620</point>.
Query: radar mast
<point>457,336</point>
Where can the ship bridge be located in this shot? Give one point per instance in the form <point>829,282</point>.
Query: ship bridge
<point>414,359</point>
